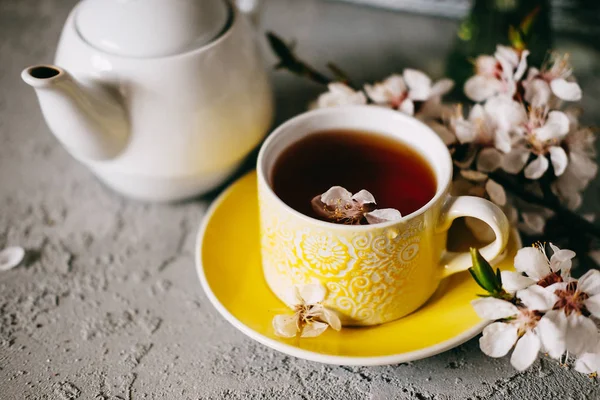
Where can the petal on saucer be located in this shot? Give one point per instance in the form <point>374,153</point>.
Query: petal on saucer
<point>331,318</point>
<point>314,329</point>
<point>285,325</point>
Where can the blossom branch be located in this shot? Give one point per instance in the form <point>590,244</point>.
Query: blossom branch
<point>289,61</point>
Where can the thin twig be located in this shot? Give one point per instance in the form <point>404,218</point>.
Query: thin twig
<point>289,61</point>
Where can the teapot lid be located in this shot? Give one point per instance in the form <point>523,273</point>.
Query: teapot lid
<point>150,28</point>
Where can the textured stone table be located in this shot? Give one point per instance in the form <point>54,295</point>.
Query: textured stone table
<point>107,304</point>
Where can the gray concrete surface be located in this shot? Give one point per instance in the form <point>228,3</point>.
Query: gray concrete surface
<point>107,304</point>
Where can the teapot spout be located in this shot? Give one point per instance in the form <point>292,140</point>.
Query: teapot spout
<point>89,122</point>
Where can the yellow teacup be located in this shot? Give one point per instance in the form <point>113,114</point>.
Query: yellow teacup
<point>373,273</point>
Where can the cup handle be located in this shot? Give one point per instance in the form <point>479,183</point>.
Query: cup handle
<point>476,207</point>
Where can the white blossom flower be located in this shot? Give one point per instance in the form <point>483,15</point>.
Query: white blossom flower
<point>589,362</point>
<point>10,257</point>
<point>340,94</point>
<point>567,326</point>
<point>339,205</point>
<point>518,325</point>
<point>497,75</point>
<point>310,317</point>
<point>491,125</point>
<point>541,136</point>
<point>534,267</point>
<point>582,166</point>
<point>540,85</point>
<point>400,92</point>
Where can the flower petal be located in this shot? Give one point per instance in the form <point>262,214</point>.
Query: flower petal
<point>557,286</point>
<point>340,94</point>
<point>498,338</point>
<point>364,197</point>
<point>385,92</point>
<point>480,88</point>
<point>534,223</point>
<point>418,83</point>
<point>507,54</point>
<point>492,308</point>
<point>312,293</point>
<point>513,281</point>
<point>331,318</point>
<point>505,112</point>
<point>561,259</point>
<point>536,168</point>
<point>556,127</point>
<point>502,141</point>
<point>407,107</point>
<point>537,298</point>
<point>394,85</point>
<point>10,257</point>
<point>465,131</point>
<point>552,329</point>
<point>533,262</point>
<point>496,192</point>
<point>522,66</point>
<point>441,87</point>
<point>514,161</point>
<point>558,156</point>
<point>382,215</point>
<point>285,325</point>
<point>486,65</point>
<point>590,282</point>
<point>477,114</point>
<point>376,93</point>
<point>489,160</point>
<point>314,329</point>
<point>337,196</point>
<point>582,334</point>
<point>588,363</point>
<point>564,90</point>
<point>593,305</point>
<point>537,93</point>
<point>526,351</point>
<point>472,175</point>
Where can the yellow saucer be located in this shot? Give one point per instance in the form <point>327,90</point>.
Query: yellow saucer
<point>228,264</point>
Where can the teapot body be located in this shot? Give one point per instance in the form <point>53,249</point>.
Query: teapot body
<point>193,116</point>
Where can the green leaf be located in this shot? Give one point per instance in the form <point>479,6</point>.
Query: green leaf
<point>483,273</point>
<point>499,276</point>
<point>472,272</point>
<point>529,19</point>
<point>516,38</point>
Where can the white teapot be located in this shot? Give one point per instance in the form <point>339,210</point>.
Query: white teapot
<point>162,99</point>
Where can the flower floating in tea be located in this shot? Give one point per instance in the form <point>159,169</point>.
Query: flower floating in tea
<point>310,317</point>
<point>340,206</point>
